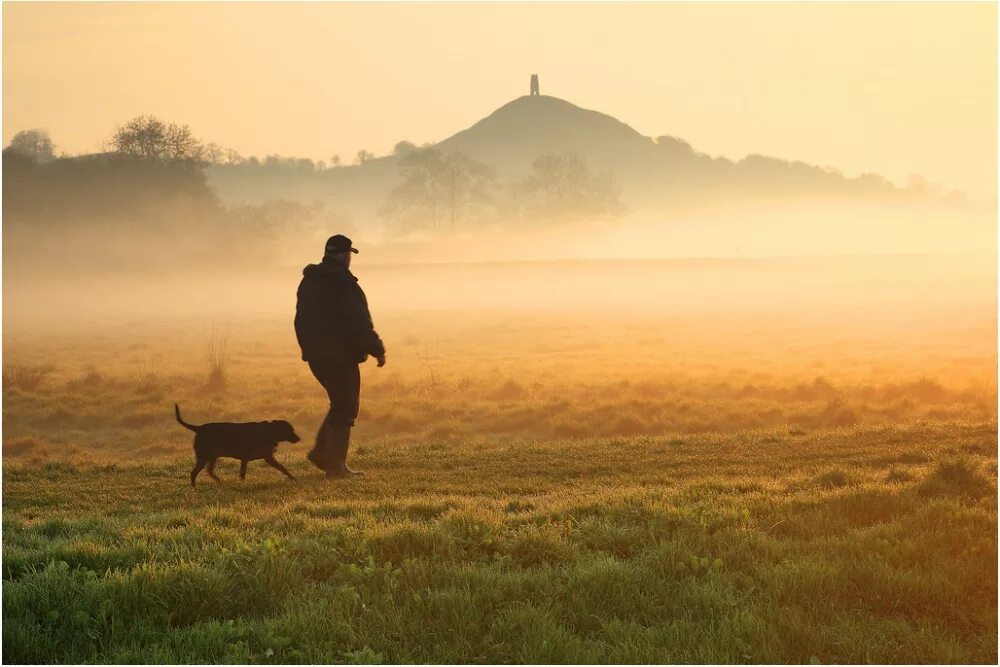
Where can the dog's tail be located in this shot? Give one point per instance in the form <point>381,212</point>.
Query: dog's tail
<point>177,411</point>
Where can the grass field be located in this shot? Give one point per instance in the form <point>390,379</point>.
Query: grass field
<point>788,485</point>
<point>860,545</point>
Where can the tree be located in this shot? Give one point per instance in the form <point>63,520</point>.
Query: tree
<point>440,190</point>
<point>363,156</point>
<point>404,147</point>
<point>335,161</point>
<point>214,153</point>
<point>35,144</point>
<point>561,187</point>
<point>149,138</point>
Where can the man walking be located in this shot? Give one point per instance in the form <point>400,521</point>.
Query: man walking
<point>335,332</point>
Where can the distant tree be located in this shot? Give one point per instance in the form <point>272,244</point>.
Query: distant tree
<point>873,183</point>
<point>404,148</point>
<point>561,187</point>
<point>363,156</point>
<point>919,184</point>
<point>214,153</point>
<point>440,191</point>
<point>182,145</point>
<point>335,161</point>
<point>233,157</point>
<point>149,138</point>
<point>276,217</point>
<point>35,144</point>
<point>76,190</point>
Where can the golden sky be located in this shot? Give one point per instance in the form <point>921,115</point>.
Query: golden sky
<point>891,88</point>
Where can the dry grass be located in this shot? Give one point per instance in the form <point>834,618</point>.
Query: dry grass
<point>102,397</point>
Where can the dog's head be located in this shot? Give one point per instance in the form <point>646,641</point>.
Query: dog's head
<point>283,431</point>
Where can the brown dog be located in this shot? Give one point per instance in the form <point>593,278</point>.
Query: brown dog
<point>247,442</point>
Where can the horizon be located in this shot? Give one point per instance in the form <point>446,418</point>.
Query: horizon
<point>787,115</point>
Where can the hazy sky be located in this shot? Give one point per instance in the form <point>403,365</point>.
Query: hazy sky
<point>891,88</point>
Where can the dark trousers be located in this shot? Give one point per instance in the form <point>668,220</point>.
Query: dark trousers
<point>342,383</point>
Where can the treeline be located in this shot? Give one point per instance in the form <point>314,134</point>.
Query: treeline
<point>152,176</point>
<point>679,168</point>
<point>149,138</point>
<point>156,181</point>
<point>145,202</point>
<point>109,187</point>
<point>452,192</point>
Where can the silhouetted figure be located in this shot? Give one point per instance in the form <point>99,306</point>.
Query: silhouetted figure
<point>534,84</point>
<point>335,332</point>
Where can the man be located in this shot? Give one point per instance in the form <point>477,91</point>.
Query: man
<point>335,332</point>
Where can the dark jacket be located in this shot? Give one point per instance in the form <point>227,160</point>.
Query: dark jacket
<point>332,322</point>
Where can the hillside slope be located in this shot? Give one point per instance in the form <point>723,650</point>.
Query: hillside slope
<point>652,173</point>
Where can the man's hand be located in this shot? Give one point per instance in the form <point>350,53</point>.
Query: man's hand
<point>380,358</point>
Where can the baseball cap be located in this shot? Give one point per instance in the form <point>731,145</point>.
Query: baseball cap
<point>337,244</point>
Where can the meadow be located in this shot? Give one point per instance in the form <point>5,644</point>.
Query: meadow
<point>785,466</point>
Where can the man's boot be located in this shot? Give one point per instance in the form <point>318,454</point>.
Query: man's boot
<point>340,440</point>
<point>319,456</point>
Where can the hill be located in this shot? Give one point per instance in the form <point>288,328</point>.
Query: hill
<point>652,172</point>
<point>519,131</point>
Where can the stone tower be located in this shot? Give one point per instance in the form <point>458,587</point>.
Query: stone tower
<point>534,84</point>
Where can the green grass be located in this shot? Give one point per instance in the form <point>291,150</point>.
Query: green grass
<point>874,543</point>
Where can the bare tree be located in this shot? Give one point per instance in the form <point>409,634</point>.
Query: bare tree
<point>181,144</point>
<point>36,144</point>
<point>363,156</point>
<point>149,138</point>
<point>214,153</point>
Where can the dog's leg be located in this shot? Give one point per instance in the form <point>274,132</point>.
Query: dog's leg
<point>198,465</point>
<point>211,470</point>
<point>243,469</point>
<point>274,464</point>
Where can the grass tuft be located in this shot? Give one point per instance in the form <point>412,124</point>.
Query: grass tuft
<point>834,479</point>
<point>957,477</point>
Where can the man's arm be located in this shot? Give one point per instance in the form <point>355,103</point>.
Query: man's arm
<point>362,328</point>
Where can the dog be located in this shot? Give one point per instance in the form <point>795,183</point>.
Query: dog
<point>247,442</point>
